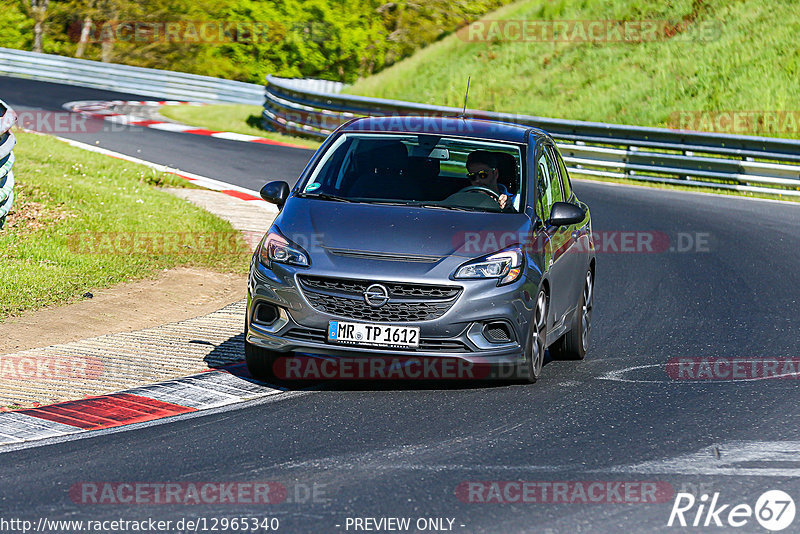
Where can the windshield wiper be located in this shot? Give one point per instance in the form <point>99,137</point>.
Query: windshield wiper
<point>327,196</point>
<point>443,207</point>
<point>386,202</point>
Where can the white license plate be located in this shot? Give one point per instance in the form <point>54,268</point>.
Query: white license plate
<point>373,334</point>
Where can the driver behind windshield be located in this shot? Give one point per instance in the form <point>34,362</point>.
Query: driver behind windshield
<point>482,171</point>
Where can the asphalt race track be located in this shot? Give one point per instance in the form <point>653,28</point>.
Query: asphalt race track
<point>233,161</point>
<point>398,450</point>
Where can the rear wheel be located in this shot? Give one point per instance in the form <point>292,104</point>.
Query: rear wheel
<point>537,340</point>
<point>574,344</point>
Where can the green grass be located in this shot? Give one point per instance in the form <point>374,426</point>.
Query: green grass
<point>237,118</point>
<point>750,62</point>
<point>67,199</point>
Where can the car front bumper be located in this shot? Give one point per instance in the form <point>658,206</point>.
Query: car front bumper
<point>459,333</point>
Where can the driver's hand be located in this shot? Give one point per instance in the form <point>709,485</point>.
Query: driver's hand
<point>502,200</point>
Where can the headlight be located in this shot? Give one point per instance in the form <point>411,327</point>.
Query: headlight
<point>505,265</point>
<point>277,248</point>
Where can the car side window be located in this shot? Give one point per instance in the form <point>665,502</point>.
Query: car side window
<point>550,192</point>
<point>542,186</point>
<point>564,175</point>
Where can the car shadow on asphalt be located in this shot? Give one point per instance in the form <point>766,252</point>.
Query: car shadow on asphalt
<point>229,357</point>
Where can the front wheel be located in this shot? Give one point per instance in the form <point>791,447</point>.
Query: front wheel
<point>537,340</point>
<point>260,361</point>
<point>574,344</point>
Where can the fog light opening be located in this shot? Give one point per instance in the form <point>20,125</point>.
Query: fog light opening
<point>497,332</point>
<point>265,314</point>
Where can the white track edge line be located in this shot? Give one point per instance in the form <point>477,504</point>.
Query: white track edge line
<point>203,181</point>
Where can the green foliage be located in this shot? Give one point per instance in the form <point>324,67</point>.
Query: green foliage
<point>330,39</point>
<point>17,28</point>
<point>727,56</point>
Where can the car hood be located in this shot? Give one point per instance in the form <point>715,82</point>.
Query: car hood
<point>398,230</point>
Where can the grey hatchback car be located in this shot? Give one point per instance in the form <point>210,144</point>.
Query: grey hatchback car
<point>421,242</point>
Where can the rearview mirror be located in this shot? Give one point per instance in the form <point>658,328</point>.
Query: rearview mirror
<point>275,193</point>
<point>430,152</point>
<point>564,213</point>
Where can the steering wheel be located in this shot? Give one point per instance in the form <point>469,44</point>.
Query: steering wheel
<point>480,189</point>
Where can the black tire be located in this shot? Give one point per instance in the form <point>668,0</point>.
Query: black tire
<point>537,339</point>
<point>575,343</point>
<point>260,361</point>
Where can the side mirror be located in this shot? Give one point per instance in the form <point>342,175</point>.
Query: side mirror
<point>564,214</point>
<point>275,193</point>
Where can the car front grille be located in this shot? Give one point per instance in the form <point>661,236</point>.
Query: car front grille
<point>306,334</point>
<point>407,302</point>
<point>425,344</point>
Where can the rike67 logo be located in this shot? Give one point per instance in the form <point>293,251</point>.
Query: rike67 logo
<point>774,510</point>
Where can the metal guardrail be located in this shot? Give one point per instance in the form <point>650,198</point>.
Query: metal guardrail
<point>7,141</point>
<point>722,161</point>
<point>310,84</point>
<point>164,84</point>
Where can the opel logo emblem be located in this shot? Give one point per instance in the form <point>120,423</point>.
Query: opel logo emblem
<point>376,295</point>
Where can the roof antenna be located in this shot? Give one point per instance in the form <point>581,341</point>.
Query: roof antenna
<point>466,95</point>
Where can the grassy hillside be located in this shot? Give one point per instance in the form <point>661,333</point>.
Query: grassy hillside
<point>725,56</point>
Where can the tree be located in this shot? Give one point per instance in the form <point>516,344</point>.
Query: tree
<point>97,20</point>
<point>37,10</point>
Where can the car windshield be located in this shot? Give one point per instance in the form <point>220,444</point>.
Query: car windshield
<point>429,171</point>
